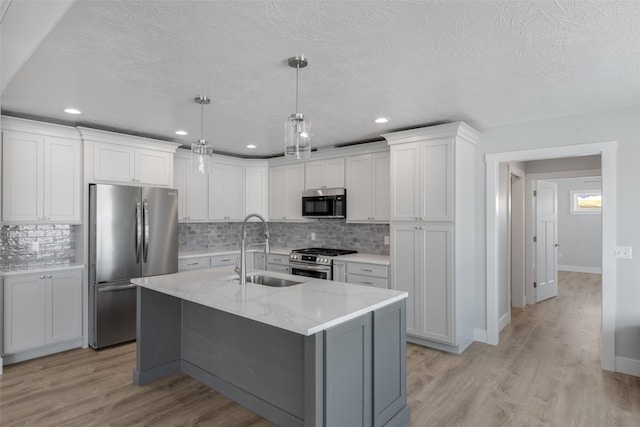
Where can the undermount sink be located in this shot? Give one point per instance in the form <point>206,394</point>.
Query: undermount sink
<point>259,279</point>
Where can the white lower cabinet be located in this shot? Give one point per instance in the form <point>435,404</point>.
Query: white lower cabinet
<point>258,261</point>
<point>198,263</point>
<point>278,263</point>
<point>360,273</point>
<point>223,260</point>
<point>42,309</point>
<point>422,259</point>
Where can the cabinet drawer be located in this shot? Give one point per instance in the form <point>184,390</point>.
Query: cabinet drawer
<point>358,279</point>
<point>367,269</point>
<point>221,260</point>
<point>279,268</point>
<point>278,259</point>
<point>193,263</point>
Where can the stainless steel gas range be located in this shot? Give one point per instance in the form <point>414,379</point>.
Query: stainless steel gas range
<point>315,262</point>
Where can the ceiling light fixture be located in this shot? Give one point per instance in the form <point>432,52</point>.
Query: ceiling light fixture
<point>201,151</point>
<point>251,146</point>
<point>72,111</point>
<point>297,129</point>
<point>181,132</point>
<point>381,120</point>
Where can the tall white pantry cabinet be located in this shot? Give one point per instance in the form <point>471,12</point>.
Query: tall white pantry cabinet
<point>432,232</point>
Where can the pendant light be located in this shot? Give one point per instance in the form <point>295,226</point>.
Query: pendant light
<point>297,129</point>
<point>201,151</point>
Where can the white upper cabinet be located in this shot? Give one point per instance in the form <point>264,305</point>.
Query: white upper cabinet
<point>324,174</point>
<point>117,158</point>
<point>286,184</point>
<point>367,186</point>
<point>231,190</point>
<point>226,193</point>
<point>256,200</point>
<point>113,163</point>
<point>41,173</point>
<point>422,181</point>
<point>193,190</point>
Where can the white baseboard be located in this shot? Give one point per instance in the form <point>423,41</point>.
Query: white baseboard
<point>628,366</point>
<point>480,335</point>
<point>580,269</point>
<point>504,321</point>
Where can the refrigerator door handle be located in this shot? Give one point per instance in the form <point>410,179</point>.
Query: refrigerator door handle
<point>138,231</point>
<point>146,231</point>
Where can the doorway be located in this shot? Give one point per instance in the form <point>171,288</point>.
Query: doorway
<point>493,248</point>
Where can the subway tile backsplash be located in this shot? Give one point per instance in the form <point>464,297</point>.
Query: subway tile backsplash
<point>57,245</point>
<point>332,233</point>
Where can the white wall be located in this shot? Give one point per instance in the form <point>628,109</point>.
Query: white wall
<point>620,125</point>
<point>579,235</point>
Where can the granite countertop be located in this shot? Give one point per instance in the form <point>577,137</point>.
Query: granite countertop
<point>39,269</point>
<point>365,258</point>
<point>307,308</point>
<point>213,252</point>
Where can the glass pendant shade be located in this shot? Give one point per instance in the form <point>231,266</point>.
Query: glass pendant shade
<point>201,156</point>
<point>201,151</point>
<point>297,137</point>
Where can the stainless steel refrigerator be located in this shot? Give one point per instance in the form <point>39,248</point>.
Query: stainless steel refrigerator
<point>133,232</point>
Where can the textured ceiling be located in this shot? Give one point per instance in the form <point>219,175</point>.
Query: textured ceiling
<point>135,66</point>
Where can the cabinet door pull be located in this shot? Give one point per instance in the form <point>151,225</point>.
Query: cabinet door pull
<point>49,276</point>
<point>193,263</point>
<point>364,282</point>
<point>225,260</point>
<point>366,269</point>
<point>42,277</point>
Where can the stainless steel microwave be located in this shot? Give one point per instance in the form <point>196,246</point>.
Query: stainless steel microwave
<point>324,203</point>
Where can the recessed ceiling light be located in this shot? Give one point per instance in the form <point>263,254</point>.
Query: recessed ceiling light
<point>72,111</point>
<point>381,120</point>
<point>251,146</point>
<point>181,132</point>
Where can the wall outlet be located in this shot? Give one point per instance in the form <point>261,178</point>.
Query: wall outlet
<point>35,246</point>
<point>623,252</point>
<point>386,240</point>
<point>313,236</point>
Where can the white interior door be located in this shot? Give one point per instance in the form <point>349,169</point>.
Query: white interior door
<point>546,240</point>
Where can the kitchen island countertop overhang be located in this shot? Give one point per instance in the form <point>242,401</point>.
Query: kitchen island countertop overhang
<point>307,308</point>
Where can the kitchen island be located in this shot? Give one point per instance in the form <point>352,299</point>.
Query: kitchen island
<point>313,354</point>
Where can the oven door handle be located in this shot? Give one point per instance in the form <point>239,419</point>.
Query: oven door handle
<point>309,267</point>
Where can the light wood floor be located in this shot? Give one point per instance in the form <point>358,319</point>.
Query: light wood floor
<point>546,371</point>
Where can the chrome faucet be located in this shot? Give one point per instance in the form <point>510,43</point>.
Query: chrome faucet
<point>243,250</point>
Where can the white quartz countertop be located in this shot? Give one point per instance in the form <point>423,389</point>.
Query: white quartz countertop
<point>365,258</point>
<point>37,270</point>
<point>213,252</point>
<point>307,308</point>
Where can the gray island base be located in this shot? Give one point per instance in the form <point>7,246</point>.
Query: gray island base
<point>351,374</point>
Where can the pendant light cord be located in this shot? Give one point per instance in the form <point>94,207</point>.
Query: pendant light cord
<point>202,119</point>
<point>297,84</point>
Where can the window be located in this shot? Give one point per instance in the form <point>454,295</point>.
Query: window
<point>586,201</point>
